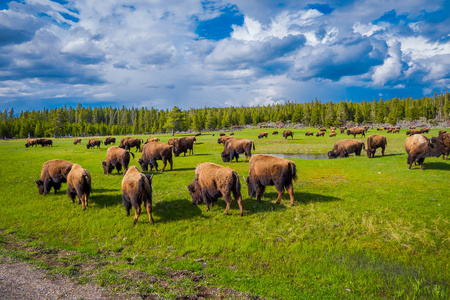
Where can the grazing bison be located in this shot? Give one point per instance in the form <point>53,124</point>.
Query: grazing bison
<point>332,134</point>
<point>342,129</point>
<point>424,130</point>
<point>183,145</point>
<point>390,130</point>
<point>309,133</point>
<point>154,151</point>
<point>345,147</point>
<point>54,172</point>
<point>412,127</point>
<point>445,139</point>
<point>320,133</point>
<point>275,133</point>
<point>380,129</point>
<point>110,140</point>
<point>332,128</point>
<point>418,147</point>
<point>116,158</point>
<point>198,134</point>
<point>92,143</point>
<point>373,142</point>
<point>221,134</point>
<point>269,170</point>
<point>322,129</point>
<point>213,181</point>
<point>412,132</point>
<point>223,139</point>
<point>45,142</point>
<point>31,143</point>
<point>288,133</point>
<point>232,133</point>
<point>151,139</point>
<point>396,130</point>
<point>129,142</point>
<point>137,188</point>
<point>442,132</point>
<point>79,184</point>
<point>77,141</point>
<point>262,134</point>
<point>235,146</point>
<point>355,130</point>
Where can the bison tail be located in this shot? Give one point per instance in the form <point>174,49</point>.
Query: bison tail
<point>253,145</point>
<point>86,184</point>
<point>237,181</point>
<point>364,146</point>
<point>293,170</point>
<point>132,154</point>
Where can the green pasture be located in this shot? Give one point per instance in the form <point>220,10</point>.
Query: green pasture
<point>360,228</point>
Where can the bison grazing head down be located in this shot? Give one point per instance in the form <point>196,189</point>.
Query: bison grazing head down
<point>331,154</point>
<point>40,185</point>
<point>107,168</point>
<point>194,190</point>
<point>226,157</point>
<point>143,164</point>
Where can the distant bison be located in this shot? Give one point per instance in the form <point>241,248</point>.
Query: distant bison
<point>77,141</point>
<point>54,172</point>
<point>235,146</point>
<point>137,188</point>
<point>110,140</point>
<point>366,128</point>
<point>275,133</point>
<point>309,133</point>
<point>424,130</point>
<point>221,134</point>
<point>198,134</point>
<point>79,184</point>
<point>92,143</point>
<point>333,134</point>
<point>151,139</point>
<point>442,131</point>
<point>45,142</point>
<point>373,142</point>
<point>213,181</point>
<point>129,142</point>
<point>31,143</point>
<point>320,133</point>
<point>116,158</point>
<point>396,130</point>
<point>232,133</point>
<point>288,133</point>
<point>224,138</point>
<point>345,147</point>
<point>183,145</point>
<point>445,139</point>
<point>332,128</point>
<point>342,129</point>
<point>154,151</point>
<point>412,132</point>
<point>268,170</point>
<point>354,131</point>
<point>418,147</point>
<point>262,135</point>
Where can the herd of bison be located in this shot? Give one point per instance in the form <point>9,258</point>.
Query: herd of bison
<point>211,180</point>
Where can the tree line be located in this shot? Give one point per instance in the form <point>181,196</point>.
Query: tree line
<point>119,121</point>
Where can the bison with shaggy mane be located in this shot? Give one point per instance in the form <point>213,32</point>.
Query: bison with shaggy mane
<point>54,172</point>
<point>235,146</point>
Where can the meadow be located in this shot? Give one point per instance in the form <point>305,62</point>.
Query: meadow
<point>359,228</point>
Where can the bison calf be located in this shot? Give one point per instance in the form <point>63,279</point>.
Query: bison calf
<point>213,181</point>
<point>77,141</point>
<point>269,170</point>
<point>79,184</point>
<point>54,172</point>
<point>137,188</point>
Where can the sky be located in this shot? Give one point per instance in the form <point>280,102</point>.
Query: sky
<point>194,54</point>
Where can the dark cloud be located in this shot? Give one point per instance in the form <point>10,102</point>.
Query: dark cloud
<point>12,36</point>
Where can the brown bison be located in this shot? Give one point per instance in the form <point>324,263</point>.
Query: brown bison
<point>418,147</point>
<point>320,133</point>
<point>213,181</point>
<point>45,142</point>
<point>380,129</point>
<point>79,184</point>
<point>54,172</point>
<point>221,134</point>
<point>333,134</point>
<point>269,170</point>
<point>262,134</point>
<point>412,132</point>
<point>192,138</point>
<point>396,130</point>
<point>223,139</point>
<point>77,141</point>
<point>116,158</point>
<point>275,133</point>
<point>232,133</point>
<point>198,134</point>
<point>442,131</point>
<point>345,147</point>
<point>322,129</point>
<point>137,188</point>
<point>92,143</point>
<point>183,145</point>
<point>151,139</point>
<point>31,143</point>
<point>342,130</point>
<point>110,140</point>
<point>288,133</point>
<point>235,146</point>
<point>309,133</point>
<point>332,128</point>
<point>366,128</point>
<point>424,130</point>
<point>412,127</point>
<point>445,139</point>
<point>171,141</point>
<point>355,130</point>
<point>373,142</point>
<point>390,130</point>
<point>129,142</point>
<point>154,151</point>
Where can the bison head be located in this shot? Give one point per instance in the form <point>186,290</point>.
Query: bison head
<point>437,147</point>
<point>349,132</point>
<point>194,190</point>
<point>40,185</point>
<point>143,164</point>
<point>370,152</point>
<point>225,157</point>
<point>332,154</point>
<point>176,150</point>
<point>250,186</point>
<point>88,146</point>
<point>107,168</point>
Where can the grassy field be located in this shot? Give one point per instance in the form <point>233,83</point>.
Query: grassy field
<point>360,228</point>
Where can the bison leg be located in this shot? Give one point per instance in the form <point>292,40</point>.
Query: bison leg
<point>259,191</point>
<point>164,160</point>
<point>80,196</point>
<point>137,212</point>
<point>126,203</point>
<point>237,196</point>
<point>280,195</point>
<point>56,187</point>
<point>420,161</point>
<point>290,190</point>
<point>118,167</point>
<point>228,200</point>
<point>148,207</point>
<point>171,163</point>
<point>71,194</point>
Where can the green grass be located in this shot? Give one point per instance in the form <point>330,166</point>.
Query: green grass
<point>360,228</point>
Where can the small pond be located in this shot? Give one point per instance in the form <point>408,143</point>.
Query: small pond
<point>300,155</point>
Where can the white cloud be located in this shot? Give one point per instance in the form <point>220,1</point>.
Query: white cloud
<point>391,68</point>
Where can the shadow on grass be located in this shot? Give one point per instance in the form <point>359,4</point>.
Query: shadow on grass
<point>378,155</point>
<point>103,200</point>
<point>99,191</point>
<point>175,210</point>
<point>434,166</point>
<point>305,198</point>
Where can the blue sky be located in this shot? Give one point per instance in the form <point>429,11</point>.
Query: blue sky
<point>219,53</point>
